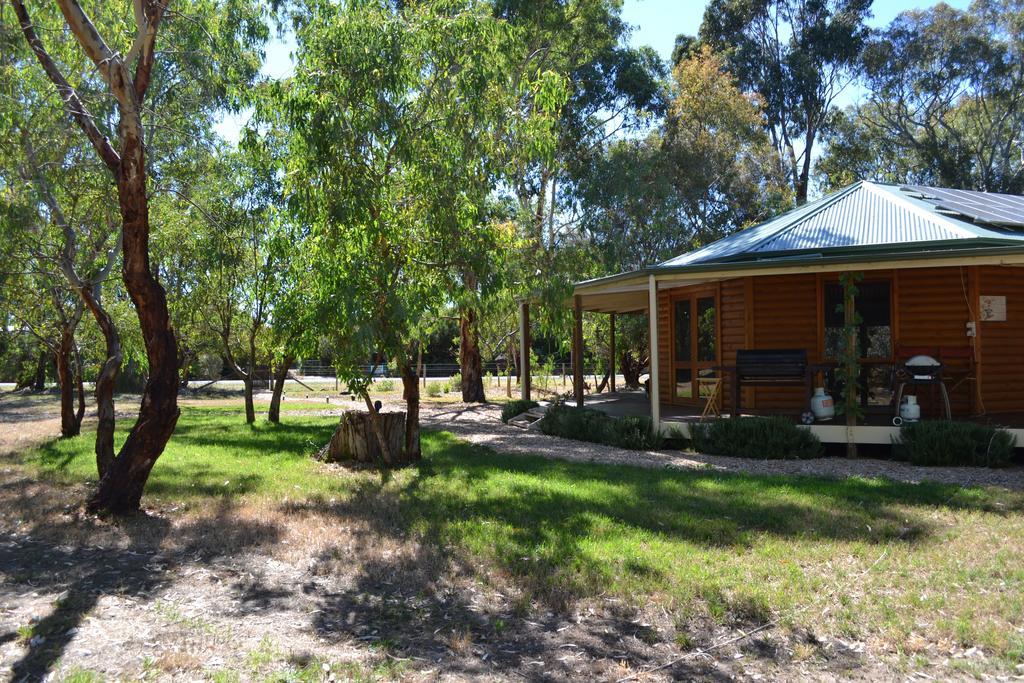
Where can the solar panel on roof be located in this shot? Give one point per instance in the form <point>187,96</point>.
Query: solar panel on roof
<point>987,207</point>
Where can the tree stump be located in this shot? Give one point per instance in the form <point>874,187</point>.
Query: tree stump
<point>355,440</point>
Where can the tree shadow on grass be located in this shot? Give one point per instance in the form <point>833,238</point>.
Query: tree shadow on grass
<point>81,573</point>
<point>551,530</point>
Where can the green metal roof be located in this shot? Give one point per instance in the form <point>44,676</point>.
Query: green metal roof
<point>883,222</point>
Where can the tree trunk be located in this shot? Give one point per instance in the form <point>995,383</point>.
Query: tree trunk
<point>386,456</point>
<point>250,406</point>
<point>120,489</point>
<point>411,394</point>
<point>353,441</point>
<point>39,382</point>
<point>470,360</point>
<point>603,384</point>
<point>280,377</point>
<point>631,368</point>
<point>106,381</point>
<point>66,382</point>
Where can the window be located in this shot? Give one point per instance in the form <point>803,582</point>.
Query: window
<point>874,305</point>
<point>706,329</point>
<point>683,330</point>
<point>874,337</point>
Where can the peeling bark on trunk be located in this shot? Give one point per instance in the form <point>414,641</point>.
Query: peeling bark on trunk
<point>470,360</point>
<point>411,394</point>
<point>280,376</point>
<point>120,489</point>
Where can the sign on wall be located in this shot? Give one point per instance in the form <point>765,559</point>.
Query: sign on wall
<point>993,308</point>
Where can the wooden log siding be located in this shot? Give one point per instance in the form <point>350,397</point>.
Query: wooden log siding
<point>733,325</point>
<point>930,309</point>
<point>785,317</point>
<point>932,304</point>
<point>1002,343</point>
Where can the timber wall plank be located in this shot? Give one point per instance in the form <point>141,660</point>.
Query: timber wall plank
<point>1002,343</point>
<point>785,317</point>
<point>933,313</point>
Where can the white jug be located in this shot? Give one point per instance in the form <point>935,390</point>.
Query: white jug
<point>910,411</point>
<point>822,405</point>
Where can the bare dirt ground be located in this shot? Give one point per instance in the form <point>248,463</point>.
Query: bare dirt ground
<point>326,592</point>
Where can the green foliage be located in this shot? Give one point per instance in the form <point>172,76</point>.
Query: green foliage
<point>765,438</point>
<point>848,372</point>
<point>796,55</point>
<point>585,424</point>
<point>944,88</point>
<point>384,385</point>
<point>434,389</point>
<point>950,443</point>
<point>516,407</point>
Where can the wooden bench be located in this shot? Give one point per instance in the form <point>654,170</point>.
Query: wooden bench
<point>769,368</point>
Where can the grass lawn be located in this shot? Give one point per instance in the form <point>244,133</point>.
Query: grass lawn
<point>918,572</point>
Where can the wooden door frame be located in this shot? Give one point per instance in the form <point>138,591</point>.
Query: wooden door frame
<point>692,294</point>
<point>891,277</point>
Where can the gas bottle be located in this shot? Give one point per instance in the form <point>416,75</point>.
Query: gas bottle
<point>910,410</point>
<point>822,405</point>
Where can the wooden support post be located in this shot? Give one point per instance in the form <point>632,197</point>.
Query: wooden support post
<point>611,353</point>
<point>577,350</point>
<point>652,317</point>
<point>524,350</point>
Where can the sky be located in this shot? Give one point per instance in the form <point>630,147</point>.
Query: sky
<point>655,23</point>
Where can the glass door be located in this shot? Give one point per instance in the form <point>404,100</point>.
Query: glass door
<point>694,346</point>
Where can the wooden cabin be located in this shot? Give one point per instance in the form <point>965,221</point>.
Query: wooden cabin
<point>941,273</point>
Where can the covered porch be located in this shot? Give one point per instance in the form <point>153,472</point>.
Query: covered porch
<point>703,320</point>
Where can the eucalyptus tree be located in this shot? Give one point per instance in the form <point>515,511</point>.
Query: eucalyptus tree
<point>383,112</point>
<point>58,229</point>
<point>154,96</point>
<point>947,91</point>
<point>798,55</point>
<point>39,305</point>
<point>246,249</point>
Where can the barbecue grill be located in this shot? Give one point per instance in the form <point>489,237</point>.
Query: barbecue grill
<point>922,370</point>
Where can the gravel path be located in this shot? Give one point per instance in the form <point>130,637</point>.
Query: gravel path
<point>481,424</point>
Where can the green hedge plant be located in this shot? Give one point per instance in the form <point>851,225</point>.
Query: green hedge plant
<point>765,438</point>
<point>585,424</point>
<point>953,444</point>
<point>516,407</point>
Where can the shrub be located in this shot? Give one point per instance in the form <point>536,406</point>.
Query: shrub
<point>454,382</point>
<point>384,385</point>
<point>584,424</point>
<point>516,407</point>
<point>943,442</point>
<point>435,389</point>
<point>755,437</point>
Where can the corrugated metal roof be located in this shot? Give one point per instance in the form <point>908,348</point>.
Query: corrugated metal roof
<point>862,215</point>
